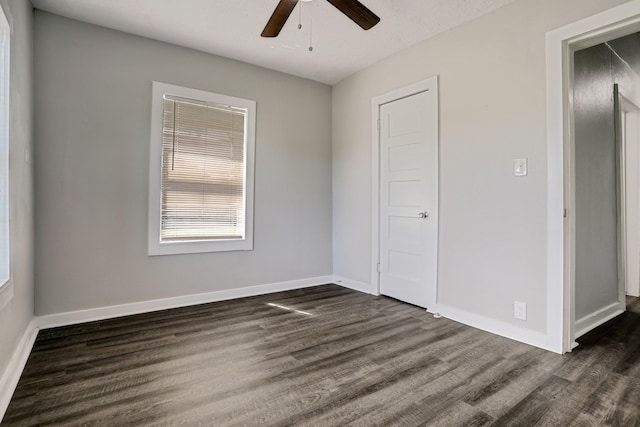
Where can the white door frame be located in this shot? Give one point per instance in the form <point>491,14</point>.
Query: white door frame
<point>376,102</point>
<point>560,45</point>
<point>631,135</point>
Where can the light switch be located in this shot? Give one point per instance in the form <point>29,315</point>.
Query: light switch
<point>520,167</point>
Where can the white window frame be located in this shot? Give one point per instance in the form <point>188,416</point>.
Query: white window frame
<point>5,189</point>
<point>155,246</point>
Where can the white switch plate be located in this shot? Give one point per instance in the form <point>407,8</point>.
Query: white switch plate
<point>520,310</point>
<point>520,167</point>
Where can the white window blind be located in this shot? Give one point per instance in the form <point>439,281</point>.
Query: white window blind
<point>203,171</point>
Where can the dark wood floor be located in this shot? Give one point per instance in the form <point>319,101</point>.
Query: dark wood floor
<point>321,356</point>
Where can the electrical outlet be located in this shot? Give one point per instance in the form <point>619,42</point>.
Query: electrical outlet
<point>520,310</point>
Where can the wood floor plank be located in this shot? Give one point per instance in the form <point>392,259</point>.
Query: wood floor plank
<point>321,356</point>
<point>535,405</point>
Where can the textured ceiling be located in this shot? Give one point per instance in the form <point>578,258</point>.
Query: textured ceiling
<point>231,28</point>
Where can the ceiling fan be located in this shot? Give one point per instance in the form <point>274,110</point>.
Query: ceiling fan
<point>354,10</point>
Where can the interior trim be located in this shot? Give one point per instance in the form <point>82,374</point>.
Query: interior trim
<point>354,284</point>
<point>597,318</point>
<point>11,375</point>
<point>100,313</point>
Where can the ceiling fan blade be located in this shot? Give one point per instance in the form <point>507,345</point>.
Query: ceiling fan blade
<point>357,12</point>
<point>278,18</point>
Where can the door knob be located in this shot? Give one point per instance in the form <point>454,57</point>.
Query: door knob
<point>424,214</point>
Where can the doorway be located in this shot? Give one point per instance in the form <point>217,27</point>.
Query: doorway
<point>604,160</point>
<point>405,193</point>
<point>561,191</point>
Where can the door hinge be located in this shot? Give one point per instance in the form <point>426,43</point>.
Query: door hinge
<point>565,213</point>
<point>378,267</point>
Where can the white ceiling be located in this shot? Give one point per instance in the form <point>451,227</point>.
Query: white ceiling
<point>231,28</point>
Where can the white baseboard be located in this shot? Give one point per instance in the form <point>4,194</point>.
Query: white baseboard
<point>353,284</point>
<point>507,330</point>
<point>11,375</point>
<point>100,313</point>
<point>527,336</point>
<point>597,318</point>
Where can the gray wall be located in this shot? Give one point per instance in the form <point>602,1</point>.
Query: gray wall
<point>93,89</point>
<point>15,317</point>
<point>492,242</point>
<point>596,70</point>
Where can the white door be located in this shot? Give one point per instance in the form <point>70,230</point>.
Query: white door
<point>409,198</point>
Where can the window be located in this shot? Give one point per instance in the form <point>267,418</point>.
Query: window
<point>5,255</point>
<point>201,171</point>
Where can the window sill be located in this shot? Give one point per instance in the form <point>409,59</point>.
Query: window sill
<point>179,248</point>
